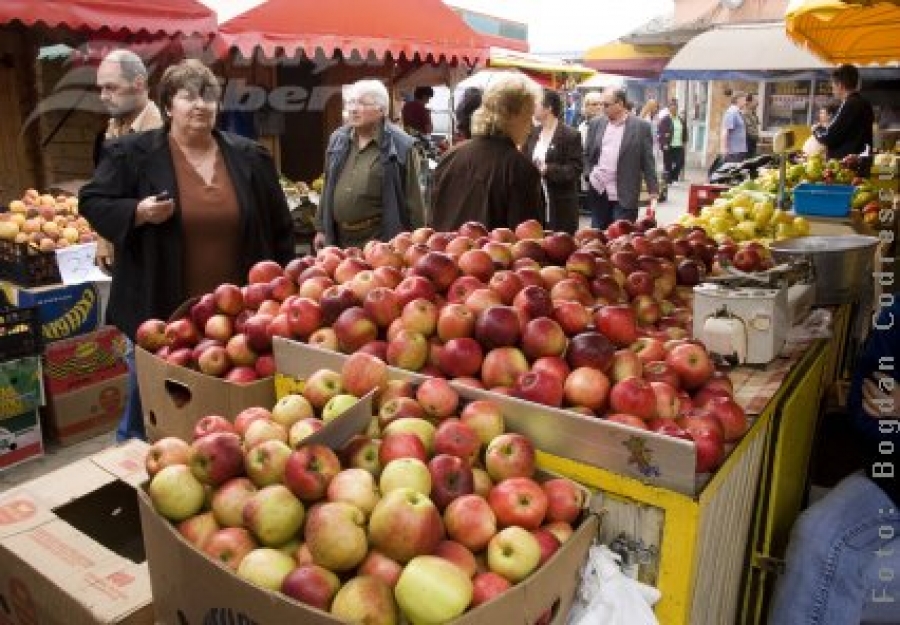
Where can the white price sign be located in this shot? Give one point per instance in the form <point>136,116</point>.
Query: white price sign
<point>77,264</point>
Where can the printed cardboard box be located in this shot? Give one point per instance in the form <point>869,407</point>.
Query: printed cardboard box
<point>20,439</point>
<point>20,386</point>
<point>190,588</point>
<point>71,551</point>
<point>87,385</point>
<point>174,398</point>
<point>64,311</point>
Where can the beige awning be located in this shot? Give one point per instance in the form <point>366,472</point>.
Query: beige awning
<point>742,51</point>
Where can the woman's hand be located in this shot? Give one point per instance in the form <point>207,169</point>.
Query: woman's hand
<point>881,396</point>
<point>153,211</point>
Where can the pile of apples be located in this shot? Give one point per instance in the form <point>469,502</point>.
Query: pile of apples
<point>45,222</point>
<point>425,516</point>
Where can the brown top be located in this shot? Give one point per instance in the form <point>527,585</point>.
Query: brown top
<point>210,221</point>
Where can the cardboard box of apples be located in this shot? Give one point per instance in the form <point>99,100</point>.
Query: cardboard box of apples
<point>436,518</point>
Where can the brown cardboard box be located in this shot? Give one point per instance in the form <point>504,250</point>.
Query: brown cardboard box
<point>652,458</point>
<point>188,587</point>
<point>87,385</point>
<point>70,545</point>
<point>174,398</point>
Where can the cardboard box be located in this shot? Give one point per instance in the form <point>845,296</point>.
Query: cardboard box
<point>20,439</point>
<point>652,458</point>
<point>20,386</point>
<point>70,545</point>
<point>64,311</point>
<point>189,587</point>
<point>87,385</point>
<point>174,398</point>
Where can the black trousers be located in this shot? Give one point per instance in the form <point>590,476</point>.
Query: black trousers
<point>676,166</point>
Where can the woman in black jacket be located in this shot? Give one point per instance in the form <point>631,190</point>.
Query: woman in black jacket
<point>555,149</point>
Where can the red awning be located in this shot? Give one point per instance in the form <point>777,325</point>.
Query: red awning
<point>426,29</point>
<point>169,17</point>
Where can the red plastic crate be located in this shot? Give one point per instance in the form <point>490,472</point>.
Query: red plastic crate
<point>701,195</point>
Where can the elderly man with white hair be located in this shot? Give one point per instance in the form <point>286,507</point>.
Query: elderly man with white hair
<point>371,175</point>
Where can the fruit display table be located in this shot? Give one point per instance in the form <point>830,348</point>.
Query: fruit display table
<point>704,539</point>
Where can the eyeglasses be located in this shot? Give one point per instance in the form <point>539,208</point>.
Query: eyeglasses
<point>358,104</point>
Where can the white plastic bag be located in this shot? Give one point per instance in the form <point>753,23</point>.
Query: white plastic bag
<point>608,596</point>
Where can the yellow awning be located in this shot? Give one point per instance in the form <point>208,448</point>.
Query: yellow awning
<point>535,64</point>
<point>847,31</point>
<point>643,61</point>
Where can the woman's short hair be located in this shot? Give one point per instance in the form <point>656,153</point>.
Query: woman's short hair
<point>191,75</point>
<point>372,89</point>
<point>508,94</point>
<point>552,101</point>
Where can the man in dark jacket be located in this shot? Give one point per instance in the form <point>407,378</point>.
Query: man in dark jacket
<point>372,188</point>
<point>850,132</point>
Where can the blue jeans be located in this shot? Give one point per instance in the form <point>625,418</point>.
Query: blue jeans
<point>605,211</point>
<point>131,424</point>
<point>843,560</point>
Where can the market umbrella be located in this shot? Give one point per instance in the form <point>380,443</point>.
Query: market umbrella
<point>625,59</point>
<point>847,31</point>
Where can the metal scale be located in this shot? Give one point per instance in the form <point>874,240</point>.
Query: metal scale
<point>745,318</point>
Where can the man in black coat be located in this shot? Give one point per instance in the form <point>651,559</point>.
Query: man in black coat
<point>850,132</point>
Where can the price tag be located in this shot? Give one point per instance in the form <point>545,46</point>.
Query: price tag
<point>76,264</point>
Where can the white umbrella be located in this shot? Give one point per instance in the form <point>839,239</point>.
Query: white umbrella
<point>482,80</point>
<point>602,81</point>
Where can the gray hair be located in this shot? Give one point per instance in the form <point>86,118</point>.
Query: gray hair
<point>372,88</point>
<point>130,64</point>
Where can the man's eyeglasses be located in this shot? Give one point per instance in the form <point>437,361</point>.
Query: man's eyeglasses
<point>358,104</point>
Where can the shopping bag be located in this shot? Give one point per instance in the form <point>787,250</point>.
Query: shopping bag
<point>606,595</point>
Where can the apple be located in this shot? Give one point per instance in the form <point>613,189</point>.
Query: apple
<point>408,350</point>
<point>256,329</point>
<point>459,555</point>
<point>692,364</point>
<point>649,350</point>
<point>354,328</point>
<point>668,427</point>
<point>241,375</point>
<point>338,405</point>
<point>228,501</point>
<point>484,418</point>
<point>502,366</point>
<point>247,416</point>
<point>646,309</point>
<point>451,477</point>
<point>539,387</point>
<point>587,387</point>
<point>456,438</point>
<point>518,501</point>
<point>199,528</point>
<point>659,371</point>
<point>217,458</point>
<point>321,386</point>
<point>379,565</point>
<point>265,366</point>
<point>629,420</point>
<point>437,397</point>
<point>265,462</point>
<point>312,585</point>
<point>433,590</point>
<point>263,430</point>
<point>365,599</point>
<point>590,349</point>
<point>477,263</point>
<point>309,470</point>
<point>265,567</point>
<point>166,452</point>
<point>229,546</point>
<point>151,335</point>
<point>510,455</point>
<point>264,271</point>
<point>439,268</point>
<point>362,373</point>
<point>747,259</point>
<point>498,326</point>
<point>399,408</point>
<point>486,586</point>
<point>483,481</point>
<point>730,415</point>
<point>617,323</point>
<point>239,351</point>
<point>405,524</point>
<point>553,365</point>
<point>336,535</point>
<point>548,543</point>
<point>470,521</point>
<point>634,396</point>
<point>543,337</point>
<point>461,357</point>
<point>533,301</point>
<point>422,428</point>
<point>414,287</point>
<point>290,409</point>
<point>565,500</point>
<point>572,317</point>
<point>667,402</point>
<point>513,553</point>
<point>506,284</point>
<point>176,493</point>
<point>562,530</point>
<point>355,486</point>
<point>625,364</point>
<point>362,452</point>
<point>273,515</point>
<point>304,316</point>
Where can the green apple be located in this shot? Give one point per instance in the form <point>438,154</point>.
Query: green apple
<point>409,473</point>
<point>514,553</point>
<point>176,493</point>
<point>432,590</point>
<point>274,515</point>
<point>338,405</point>
<point>266,567</point>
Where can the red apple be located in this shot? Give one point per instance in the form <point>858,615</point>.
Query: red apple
<point>405,524</point>
<point>401,445</point>
<point>470,521</point>
<point>451,477</point>
<point>379,565</point>
<point>461,357</point>
<point>498,326</point>
<point>648,349</point>
<point>486,586</point>
<point>633,396</point>
<point>617,323</point>
<point>539,387</point>
<point>503,366</point>
<point>264,272</point>
<point>362,374</point>
<point>518,501</point>
<point>217,458</point>
<point>510,455</point>
<point>229,546</point>
<point>625,364</point>
<point>587,387</point>
<point>543,337</point>
<point>659,371</point>
<point>166,452</point>
<point>309,470</point>
<point>730,415</point>
<point>151,335</point>
<point>548,542</point>
<point>692,364</point>
<point>590,349</point>
<point>313,585</point>
<point>437,397</point>
<point>485,418</point>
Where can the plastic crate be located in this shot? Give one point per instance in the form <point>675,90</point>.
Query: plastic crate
<point>20,332</point>
<point>26,266</point>
<point>823,200</point>
<point>701,195</point>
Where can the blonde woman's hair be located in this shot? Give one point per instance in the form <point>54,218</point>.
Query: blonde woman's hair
<point>507,95</point>
<point>650,109</point>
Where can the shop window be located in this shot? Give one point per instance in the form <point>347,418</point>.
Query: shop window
<point>787,104</point>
